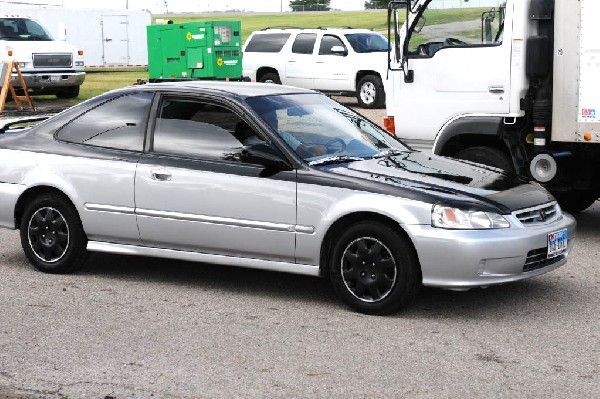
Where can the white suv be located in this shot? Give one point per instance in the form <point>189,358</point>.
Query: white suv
<point>336,61</point>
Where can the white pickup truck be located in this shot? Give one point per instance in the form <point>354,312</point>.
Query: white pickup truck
<point>342,61</point>
<point>48,66</point>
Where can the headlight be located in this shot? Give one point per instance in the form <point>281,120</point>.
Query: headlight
<point>79,63</point>
<point>446,217</point>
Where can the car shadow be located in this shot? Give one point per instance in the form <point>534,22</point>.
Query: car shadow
<point>509,300</point>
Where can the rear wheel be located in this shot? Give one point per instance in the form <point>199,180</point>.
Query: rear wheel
<point>370,93</point>
<point>374,269</point>
<point>576,201</point>
<point>68,92</point>
<point>52,236</point>
<point>270,77</point>
<point>488,156</point>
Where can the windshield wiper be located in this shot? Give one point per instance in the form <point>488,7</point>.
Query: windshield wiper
<point>388,153</point>
<point>334,159</point>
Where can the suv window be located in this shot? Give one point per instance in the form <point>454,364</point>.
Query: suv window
<point>117,123</point>
<point>328,42</point>
<point>200,129</point>
<point>267,42</point>
<point>304,43</point>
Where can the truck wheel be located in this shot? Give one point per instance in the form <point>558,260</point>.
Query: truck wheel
<point>270,77</point>
<point>576,201</point>
<point>68,92</point>
<point>374,270</point>
<point>52,236</point>
<point>488,156</point>
<point>370,93</point>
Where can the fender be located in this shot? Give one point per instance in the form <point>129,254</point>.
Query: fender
<point>474,125</point>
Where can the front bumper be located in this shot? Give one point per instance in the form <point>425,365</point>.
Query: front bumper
<point>478,258</point>
<point>49,80</point>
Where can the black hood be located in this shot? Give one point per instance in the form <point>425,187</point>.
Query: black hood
<point>438,179</point>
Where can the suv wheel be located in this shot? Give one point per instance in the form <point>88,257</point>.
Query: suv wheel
<point>370,93</point>
<point>270,77</point>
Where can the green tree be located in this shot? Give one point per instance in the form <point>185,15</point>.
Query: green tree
<point>376,4</point>
<point>310,5</point>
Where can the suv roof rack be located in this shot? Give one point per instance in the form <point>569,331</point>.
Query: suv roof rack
<point>335,27</point>
<point>282,27</point>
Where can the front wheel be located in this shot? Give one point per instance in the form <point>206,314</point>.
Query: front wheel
<point>370,92</point>
<point>68,92</point>
<point>488,156</point>
<point>52,236</point>
<point>374,270</point>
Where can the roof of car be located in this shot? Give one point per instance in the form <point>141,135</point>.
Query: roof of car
<point>238,89</point>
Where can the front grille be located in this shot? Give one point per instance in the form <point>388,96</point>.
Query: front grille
<point>52,60</point>
<point>540,214</point>
<point>538,259</point>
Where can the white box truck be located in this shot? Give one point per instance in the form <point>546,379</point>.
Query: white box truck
<point>48,66</point>
<point>109,38</point>
<point>515,85</point>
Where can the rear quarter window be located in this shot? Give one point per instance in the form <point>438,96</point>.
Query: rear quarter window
<point>267,42</point>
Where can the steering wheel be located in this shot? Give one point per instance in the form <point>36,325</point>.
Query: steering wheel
<point>452,41</point>
<point>335,145</point>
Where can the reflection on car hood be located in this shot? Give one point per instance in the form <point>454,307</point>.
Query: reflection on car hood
<point>447,180</point>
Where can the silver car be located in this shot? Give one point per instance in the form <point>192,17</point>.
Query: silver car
<point>269,177</point>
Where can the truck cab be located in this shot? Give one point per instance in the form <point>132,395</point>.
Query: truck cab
<point>501,82</point>
<point>48,66</point>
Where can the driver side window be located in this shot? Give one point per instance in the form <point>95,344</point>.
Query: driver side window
<point>439,27</point>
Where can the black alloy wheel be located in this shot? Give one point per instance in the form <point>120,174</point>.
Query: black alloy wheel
<point>374,268</point>
<point>52,236</point>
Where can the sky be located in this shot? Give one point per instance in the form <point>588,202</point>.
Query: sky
<point>191,5</point>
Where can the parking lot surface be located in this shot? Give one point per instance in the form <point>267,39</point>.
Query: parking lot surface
<point>125,327</point>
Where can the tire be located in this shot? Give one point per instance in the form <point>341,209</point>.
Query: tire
<point>576,201</point>
<point>68,92</point>
<point>370,92</point>
<point>488,156</point>
<point>374,270</point>
<point>271,77</point>
<point>52,236</point>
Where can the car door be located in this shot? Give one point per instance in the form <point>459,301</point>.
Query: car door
<point>332,71</point>
<point>195,193</point>
<point>300,66</point>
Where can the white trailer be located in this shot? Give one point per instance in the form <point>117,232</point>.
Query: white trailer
<point>109,38</point>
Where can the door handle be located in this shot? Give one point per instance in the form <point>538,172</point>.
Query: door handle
<point>496,89</point>
<point>161,174</point>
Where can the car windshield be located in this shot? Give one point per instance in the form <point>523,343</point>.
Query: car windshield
<point>367,42</point>
<point>321,130</point>
<point>22,29</point>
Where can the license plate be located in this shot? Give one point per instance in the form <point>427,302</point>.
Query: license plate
<point>557,243</point>
<point>54,78</point>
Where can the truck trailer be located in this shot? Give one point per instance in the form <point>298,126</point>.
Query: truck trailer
<point>514,86</point>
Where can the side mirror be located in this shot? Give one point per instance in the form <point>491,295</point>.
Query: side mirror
<point>265,155</point>
<point>339,50</point>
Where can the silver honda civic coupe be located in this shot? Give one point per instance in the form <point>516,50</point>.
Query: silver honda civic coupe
<point>269,177</point>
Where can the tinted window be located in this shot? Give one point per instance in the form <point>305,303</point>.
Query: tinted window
<point>199,129</point>
<point>304,43</point>
<point>367,42</point>
<point>328,42</point>
<point>267,43</point>
<point>118,123</point>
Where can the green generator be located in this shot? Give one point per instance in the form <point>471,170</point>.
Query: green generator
<point>195,50</point>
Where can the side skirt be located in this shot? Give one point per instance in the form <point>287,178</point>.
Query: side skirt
<point>308,270</point>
